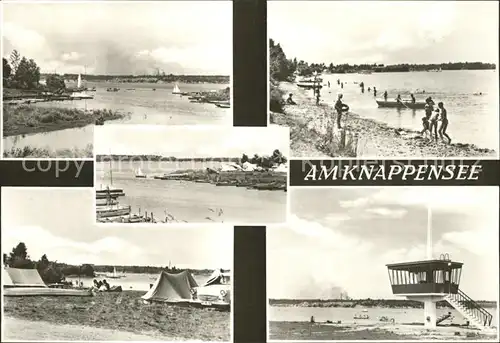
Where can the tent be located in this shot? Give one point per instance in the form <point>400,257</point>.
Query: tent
<point>6,280</point>
<point>171,287</point>
<point>24,278</point>
<point>217,278</point>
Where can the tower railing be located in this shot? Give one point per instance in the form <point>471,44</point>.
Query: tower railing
<point>477,310</point>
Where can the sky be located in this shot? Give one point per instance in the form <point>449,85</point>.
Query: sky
<point>386,32</point>
<point>60,223</point>
<point>178,37</point>
<point>342,238</point>
<point>189,141</point>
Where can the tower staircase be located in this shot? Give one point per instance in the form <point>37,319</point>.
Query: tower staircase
<point>471,310</point>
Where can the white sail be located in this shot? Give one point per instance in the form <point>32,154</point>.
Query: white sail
<point>114,271</point>
<point>176,89</point>
<point>139,171</point>
<point>79,84</point>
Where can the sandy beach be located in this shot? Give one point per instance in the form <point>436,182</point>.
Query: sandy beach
<point>311,126</point>
<point>328,331</point>
<point>110,316</point>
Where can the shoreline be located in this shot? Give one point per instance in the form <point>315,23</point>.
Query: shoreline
<point>280,330</point>
<point>122,313</point>
<point>259,180</point>
<point>311,130</point>
<point>25,119</point>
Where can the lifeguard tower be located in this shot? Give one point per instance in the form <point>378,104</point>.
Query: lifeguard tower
<point>433,280</point>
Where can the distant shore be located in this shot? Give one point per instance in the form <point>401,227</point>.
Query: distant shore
<point>382,331</point>
<point>214,79</point>
<point>113,316</point>
<point>312,128</point>
<point>365,303</point>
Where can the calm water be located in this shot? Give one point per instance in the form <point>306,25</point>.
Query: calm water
<point>472,118</point>
<point>143,106</point>
<point>135,282</point>
<point>190,201</point>
<point>321,314</point>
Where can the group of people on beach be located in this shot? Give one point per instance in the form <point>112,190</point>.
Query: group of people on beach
<point>100,286</point>
<point>435,120</point>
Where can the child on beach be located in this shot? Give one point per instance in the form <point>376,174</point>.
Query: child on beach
<point>339,107</point>
<point>443,122</point>
<point>433,123</point>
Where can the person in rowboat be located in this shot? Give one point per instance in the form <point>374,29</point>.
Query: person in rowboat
<point>385,96</point>
<point>374,91</point>
<point>398,99</point>
<point>443,122</point>
<point>413,100</point>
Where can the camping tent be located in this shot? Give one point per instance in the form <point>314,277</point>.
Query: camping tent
<point>6,280</point>
<point>217,278</point>
<point>171,287</point>
<point>24,278</point>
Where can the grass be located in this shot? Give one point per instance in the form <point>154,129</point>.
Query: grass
<point>29,151</point>
<point>123,311</point>
<point>26,119</point>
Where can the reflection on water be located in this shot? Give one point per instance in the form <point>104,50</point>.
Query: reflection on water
<point>473,118</point>
<point>191,201</point>
<point>77,138</point>
<point>134,282</point>
<point>322,314</point>
<point>146,106</point>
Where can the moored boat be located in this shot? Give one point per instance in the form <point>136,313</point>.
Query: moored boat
<point>112,211</point>
<point>402,104</point>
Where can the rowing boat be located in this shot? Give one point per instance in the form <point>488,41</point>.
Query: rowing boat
<point>403,104</point>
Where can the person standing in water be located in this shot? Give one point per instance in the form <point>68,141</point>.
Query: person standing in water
<point>374,91</point>
<point>443,122</point>
<point>413,100</point>
<point>341,85</point>
<point>328,84</point>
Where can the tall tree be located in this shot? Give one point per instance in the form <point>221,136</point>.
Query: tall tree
<point>15,59</point>
<point>27,74</point>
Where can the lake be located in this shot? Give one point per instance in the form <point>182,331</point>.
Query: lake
<point>472,118</point>
<point>190,201</point>
<point>142,105</point>
<point>131,281</point>
<point>321,314</point>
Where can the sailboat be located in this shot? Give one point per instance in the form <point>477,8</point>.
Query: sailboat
<point>139,174</point>
<point>79,94</point>
<point>111,208</point>
<point>115,275</point>
<point>176,90</point>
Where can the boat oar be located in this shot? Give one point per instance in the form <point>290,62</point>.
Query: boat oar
<point>403,104</point>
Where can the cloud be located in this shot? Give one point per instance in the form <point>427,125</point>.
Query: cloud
<point>40,241</point>
<point>387,212</point>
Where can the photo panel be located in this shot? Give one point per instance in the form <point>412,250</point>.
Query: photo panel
<point>385,86</point>
<point>65,278</point>
<point>63,79</point>
<point>191,174</point>
<point>385,263</point>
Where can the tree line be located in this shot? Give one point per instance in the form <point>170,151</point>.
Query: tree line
<point>170,78</point>
<point>283,69</point>
<point>55,272</point>
<point>276,157</point>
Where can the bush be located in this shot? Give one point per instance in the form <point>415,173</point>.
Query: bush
<point>276,99</point>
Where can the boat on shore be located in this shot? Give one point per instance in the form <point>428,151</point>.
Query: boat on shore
<point>112,211</point>
<point>109,191</point>
<point>401,104</point>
